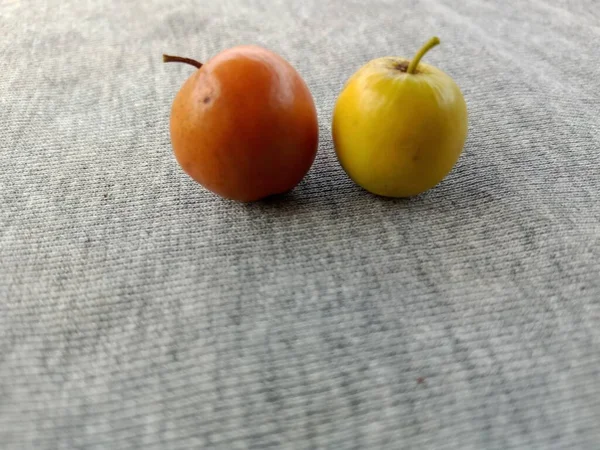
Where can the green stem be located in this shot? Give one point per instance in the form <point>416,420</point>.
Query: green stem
<point>428,46</point>
<point>193,62</point>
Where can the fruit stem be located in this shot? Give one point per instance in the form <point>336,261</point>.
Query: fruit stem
<point>193,62</point>
<point>428,46</point>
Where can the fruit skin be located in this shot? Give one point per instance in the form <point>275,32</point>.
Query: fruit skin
<point>244,125</point>
<point>398,134</point>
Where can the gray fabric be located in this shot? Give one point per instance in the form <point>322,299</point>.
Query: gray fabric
<point>139,311</point>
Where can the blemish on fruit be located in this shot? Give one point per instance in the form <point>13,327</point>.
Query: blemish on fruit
<point>206,99</point>
<point>402,66</point>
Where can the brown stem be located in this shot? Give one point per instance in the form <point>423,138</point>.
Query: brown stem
<point>193,62</point>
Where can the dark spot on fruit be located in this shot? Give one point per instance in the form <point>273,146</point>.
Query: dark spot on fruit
<point>402,66</point>
<point>206,99</point>
<point>416,155</point>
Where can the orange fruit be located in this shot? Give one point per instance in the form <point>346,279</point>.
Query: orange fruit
<point>244,125</point>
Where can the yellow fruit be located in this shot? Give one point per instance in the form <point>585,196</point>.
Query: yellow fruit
<point>399,126</point>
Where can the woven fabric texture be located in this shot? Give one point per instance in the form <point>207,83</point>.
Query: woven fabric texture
<point>137,310</point>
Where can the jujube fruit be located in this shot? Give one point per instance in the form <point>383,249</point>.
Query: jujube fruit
<point>399,125</point>
<point>244,125</point>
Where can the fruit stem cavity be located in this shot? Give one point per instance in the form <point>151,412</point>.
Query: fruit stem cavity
<point>193,62</point>
<point>428,46</point>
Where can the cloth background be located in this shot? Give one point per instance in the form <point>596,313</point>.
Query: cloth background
<point>139,311</point>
